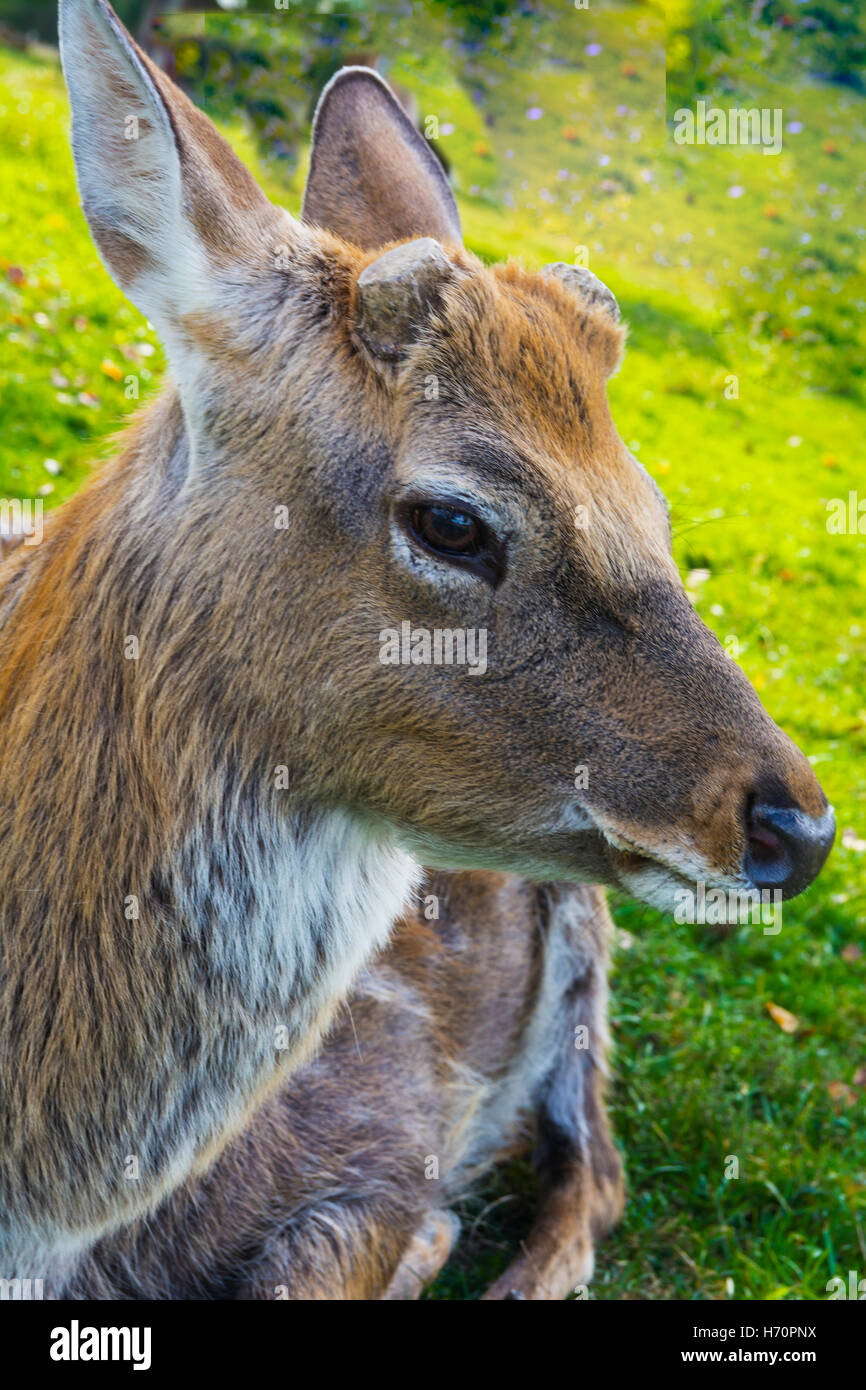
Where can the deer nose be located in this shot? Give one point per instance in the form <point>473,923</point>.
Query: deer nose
<point>785,847</point>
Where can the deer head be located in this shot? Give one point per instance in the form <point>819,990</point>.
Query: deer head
<point>430,431</point>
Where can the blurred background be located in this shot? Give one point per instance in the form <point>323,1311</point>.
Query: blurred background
<point>741,277</point>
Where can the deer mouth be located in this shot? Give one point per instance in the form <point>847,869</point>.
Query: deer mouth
<point>628,863</point>
<point>649,874</point>
<point>655,877</point>
<point>630,855</point>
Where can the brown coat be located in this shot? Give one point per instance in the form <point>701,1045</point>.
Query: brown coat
<point>215,786</point>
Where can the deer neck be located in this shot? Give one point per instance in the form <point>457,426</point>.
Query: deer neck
<point>197,923</point>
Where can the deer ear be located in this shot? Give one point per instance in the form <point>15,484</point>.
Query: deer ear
<point>373,177</point>
<point>167,200</point>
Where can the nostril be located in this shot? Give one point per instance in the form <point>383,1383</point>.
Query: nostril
<point>785,847</point>
<point>764,844</point>
<point>768,852</point>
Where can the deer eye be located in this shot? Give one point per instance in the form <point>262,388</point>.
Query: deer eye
<point>447,529</point>
<point>451,532</point>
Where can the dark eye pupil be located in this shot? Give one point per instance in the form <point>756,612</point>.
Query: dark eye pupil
<point>448,529</point>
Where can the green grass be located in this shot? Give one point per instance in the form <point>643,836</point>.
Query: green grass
<point>712,286</point>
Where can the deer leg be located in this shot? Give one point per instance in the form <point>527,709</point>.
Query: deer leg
<point>342,1250</point>
<point>581,1172</point>
<point>425,1255</point>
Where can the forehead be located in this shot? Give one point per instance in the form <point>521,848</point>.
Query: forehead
<point>522,350</point>
<point>509,387</point>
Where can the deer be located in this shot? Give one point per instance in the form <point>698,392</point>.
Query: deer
<point>215,795</point>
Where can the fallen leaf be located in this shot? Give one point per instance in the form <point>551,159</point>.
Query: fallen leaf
<point>842,1094</point>
<point>853,951</point>
<point>859,1077</point>
<point>788,1022</point>
<point>111,369</point>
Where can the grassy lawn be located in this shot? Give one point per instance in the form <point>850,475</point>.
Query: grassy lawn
<point>728,265</point>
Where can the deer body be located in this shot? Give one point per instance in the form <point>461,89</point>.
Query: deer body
<point>213,793</point>
<point>476,1035</point>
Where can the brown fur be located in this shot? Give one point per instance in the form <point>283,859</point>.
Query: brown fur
<point>457,1044</point>
<point>166,903</point>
